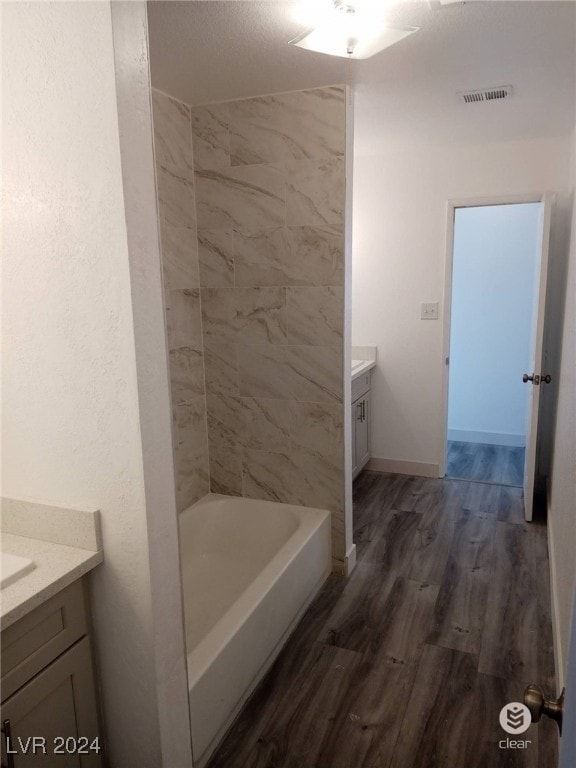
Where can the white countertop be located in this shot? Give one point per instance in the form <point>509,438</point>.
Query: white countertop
<point>361,366</point>
<point>56,566</point>
<point>64,544</point>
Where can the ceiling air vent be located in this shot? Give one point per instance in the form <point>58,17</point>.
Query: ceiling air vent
<point>486,94</point>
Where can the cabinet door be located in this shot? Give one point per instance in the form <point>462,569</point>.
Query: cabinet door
<point>58,707</point>
<point>353,415</point>
<point>363,432</point>
<point>359,427</point>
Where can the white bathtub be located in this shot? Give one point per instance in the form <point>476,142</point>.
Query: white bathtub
<point>250,569</point>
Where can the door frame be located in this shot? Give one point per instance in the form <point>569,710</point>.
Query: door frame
<point>452,205</point>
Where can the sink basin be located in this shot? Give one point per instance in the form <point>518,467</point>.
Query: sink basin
<point>356,364</point>
<point>13,567</point>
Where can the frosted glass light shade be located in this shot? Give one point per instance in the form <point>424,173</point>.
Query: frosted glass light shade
<point>337,39</point>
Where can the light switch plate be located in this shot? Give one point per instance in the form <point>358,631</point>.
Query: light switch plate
<point>429,311</point>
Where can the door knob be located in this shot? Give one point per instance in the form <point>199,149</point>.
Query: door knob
<point>539,705</point>
<point>534,378</point>
<point>546,379</point>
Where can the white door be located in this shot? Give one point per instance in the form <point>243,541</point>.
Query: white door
<point>535,374</point>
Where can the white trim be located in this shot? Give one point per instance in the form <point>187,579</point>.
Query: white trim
<point>488,438</point>
<point>350,563</point>
<point>347,356</point>
<point>537,351</point>
<point>476,202</point>
<point>129,23</point>
<point>554,607</point>
<point>451,205</point>
<point>446,318</point>
<point>418,468</point>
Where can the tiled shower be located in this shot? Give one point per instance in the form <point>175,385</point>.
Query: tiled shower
<point>252,197</point>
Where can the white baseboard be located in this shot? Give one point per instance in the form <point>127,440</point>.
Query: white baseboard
<point>350,563</point>
<point>418,468</point>
<point>346,566</point>
<point>556,633</point>
<point>489,438</point>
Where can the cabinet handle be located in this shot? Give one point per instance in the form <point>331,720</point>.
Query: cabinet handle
<point>359,417</point>
<point>6,730</point>
<point>363,410</point>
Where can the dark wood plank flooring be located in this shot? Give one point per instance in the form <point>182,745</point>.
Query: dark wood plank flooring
<point>483,463</point>
<point>407,663</point>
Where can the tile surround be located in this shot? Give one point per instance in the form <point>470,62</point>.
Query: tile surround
<point>247,198</point>
<point>192,477</point>
<point>317,427</point>
<point>179,257</point>
<point>184,320</point>
<point>262,283</point>
<point>172,145</point>
<point>261,314</point>
<point>219,323</point>
<point>176,196</point>
<point>216,255</point>
<point>263,371</point>
<point>225,470</point>
<point>315,193</point>
<point>248,422</point>
<point>317,254</point>
<point>315,373</point>
<point>289,256</point>
<point>211,137</point>
<point>315,315</point>
<point>221,368</point>
<point>186,374</point>
<point>287,127</point>
<point>180,262</point>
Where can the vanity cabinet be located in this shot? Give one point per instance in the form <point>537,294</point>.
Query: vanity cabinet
<point>49,712</point>
<point>360,423</point>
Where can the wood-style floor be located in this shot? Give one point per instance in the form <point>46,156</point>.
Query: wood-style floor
<point>407,663</point>
<point>485,463</point>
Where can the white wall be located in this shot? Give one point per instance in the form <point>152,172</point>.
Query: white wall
<point>400,193</point>
<point>495,256</point>
<point>71,423</point>
<point>562,487</point>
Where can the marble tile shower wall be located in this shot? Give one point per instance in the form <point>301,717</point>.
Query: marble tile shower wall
<point>269,189</point>
<point>175,180</point>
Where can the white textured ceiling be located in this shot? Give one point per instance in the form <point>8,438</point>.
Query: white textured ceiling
<point>206,51</point>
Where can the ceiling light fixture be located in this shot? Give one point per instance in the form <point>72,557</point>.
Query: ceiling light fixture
<point>355,30</point>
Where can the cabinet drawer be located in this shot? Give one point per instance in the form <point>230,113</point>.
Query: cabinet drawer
<point>40,636</point>
<point>360,385</point>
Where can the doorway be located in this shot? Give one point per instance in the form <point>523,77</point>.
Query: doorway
<point>495,255</point>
